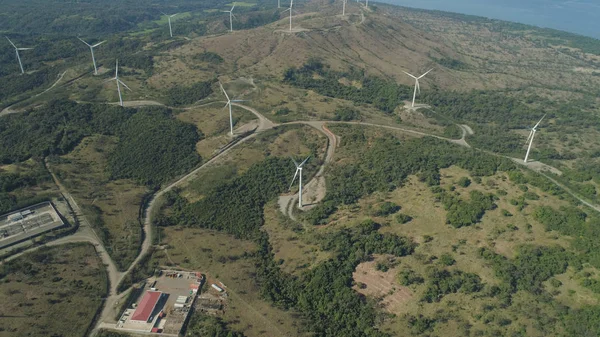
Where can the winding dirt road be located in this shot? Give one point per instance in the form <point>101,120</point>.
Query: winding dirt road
<point>314,191</point>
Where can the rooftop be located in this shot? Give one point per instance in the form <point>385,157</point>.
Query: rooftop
<point>146,306</point>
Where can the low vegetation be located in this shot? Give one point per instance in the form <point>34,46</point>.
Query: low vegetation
<point>185,95</point>
<point>53,291</point>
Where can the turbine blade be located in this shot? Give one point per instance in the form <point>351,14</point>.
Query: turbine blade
<point>125,85</point>
<point>174,15</point>
<point>11,42</point>
<point>295,163</point>
<point>83,41</point>
<point>409,74</point>
<point>110,79</point>
<point>286,10</point>
<point>538,123</point>
<point>240,100</point>
<point>226,104</point>
<point>418,86</point>
<point>24,48</point>
<point>295,175</point>
<point>228,100</point>
<point>97,44</point>
<point>232,7</point>
<point>426,73</point>
<point>305,160</point>
<point>529,137</point>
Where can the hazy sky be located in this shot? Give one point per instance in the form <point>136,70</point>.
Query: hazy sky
<point>577,16</point>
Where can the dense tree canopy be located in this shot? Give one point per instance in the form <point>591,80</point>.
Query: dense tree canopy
<point>153,147</point>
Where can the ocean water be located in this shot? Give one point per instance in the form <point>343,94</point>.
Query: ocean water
<point>575,16</point>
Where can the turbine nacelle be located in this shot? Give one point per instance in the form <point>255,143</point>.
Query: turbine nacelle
<point>531,136</point>
<point>17,49</point>
<point>417,85</point>
<point>119,82</point>
<point>299,173</point>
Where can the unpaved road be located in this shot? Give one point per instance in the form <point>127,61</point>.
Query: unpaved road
<point>315,187</point>
<point>314,191</point>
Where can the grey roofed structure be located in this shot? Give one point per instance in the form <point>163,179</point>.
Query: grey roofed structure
<point>28,223</point>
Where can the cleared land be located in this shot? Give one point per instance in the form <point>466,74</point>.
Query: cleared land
<point>51,292</point>
<point>112,206</point>
<point>228,260</point>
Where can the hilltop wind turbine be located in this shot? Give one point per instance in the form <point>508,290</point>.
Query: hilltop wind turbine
<point>119,82</point>
<point>92,50</point>
<point>417,86</point>
<point>299,172</point>
<point>290,9</point>
<point>278,3</point>
<point>169,17</point>
<point>344,7</point>
<point>17,51</point>
<point>530,138</point>
<point>229,101</point>
<point>230,17</point>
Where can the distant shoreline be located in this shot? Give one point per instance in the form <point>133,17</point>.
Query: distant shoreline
<point>578,18</point>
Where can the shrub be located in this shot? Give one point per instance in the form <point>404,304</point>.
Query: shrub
<point>464,182</point>
<point>403,218</point>
<point>446,259</point>
<point>346,114</point>
<point>387,208</point>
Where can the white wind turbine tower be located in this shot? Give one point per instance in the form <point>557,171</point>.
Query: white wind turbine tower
<point>344,7</point>
<point>530,138</point>
<point>230,17</point>
<point>92,50</point>
<point>290,9</point>
<point>119,82</point>
<point>229,101</point>
<point>417,86</point>
<point>17,51</point>
<point>278,3</point>
<point>169,17</point>
<point>299,172</point>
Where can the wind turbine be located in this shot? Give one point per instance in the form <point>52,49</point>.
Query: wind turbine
<point>290,9</point>
<point>119,82</point>
<point>299,172</point>
<point>17,51</point>
<point>278,3</point>
<point>344,7</point>
<point>169,17</point>
<point>229,101</point>
<point>230,17</point>
<point>417,86</point>
<point>367,4</point>
<point>530,138</point>
<point>92,50</point>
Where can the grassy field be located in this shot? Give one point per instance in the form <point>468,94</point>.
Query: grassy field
<point>296,141</point>
<point>293,247</point>
<point>226,259</point>
<point>51,292</point>
<point>213,121</point>
<point>111,205</point>
<point>501,233</point>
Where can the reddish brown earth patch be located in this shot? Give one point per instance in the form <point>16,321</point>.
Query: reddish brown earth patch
<point>382,285</point>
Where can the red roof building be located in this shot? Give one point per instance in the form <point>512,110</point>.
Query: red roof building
<point>146,306</point>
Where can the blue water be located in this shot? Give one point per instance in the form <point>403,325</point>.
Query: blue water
<point>575,16</point>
